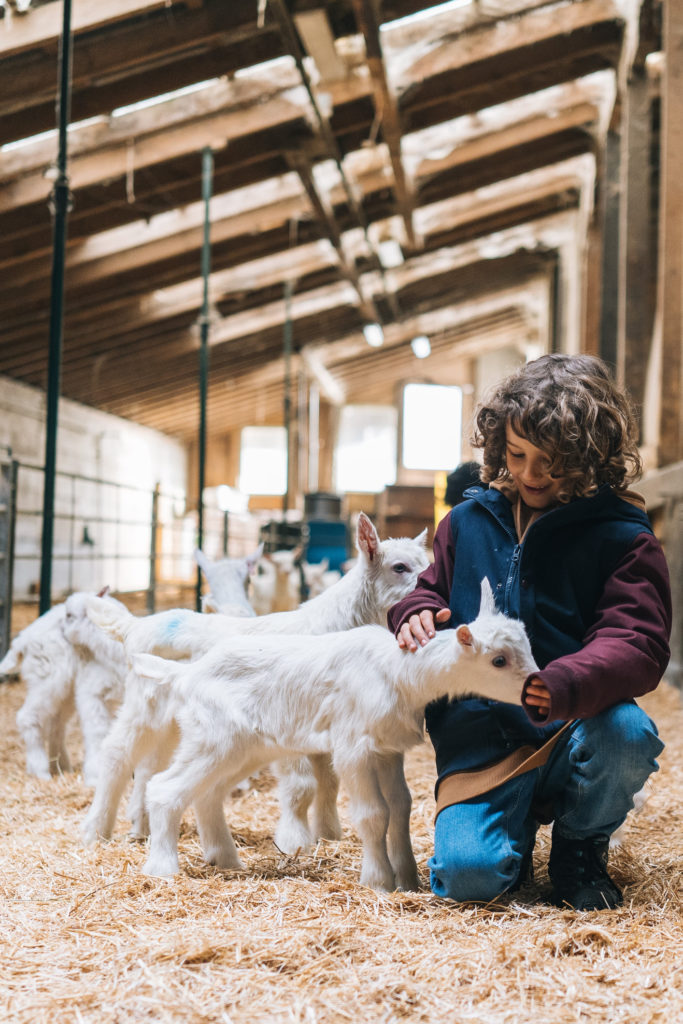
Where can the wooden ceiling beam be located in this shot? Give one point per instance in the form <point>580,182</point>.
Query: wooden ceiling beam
<point>386,112</point>
<point>329,228</point>
<point>41,27</point>
<point>495,41</point>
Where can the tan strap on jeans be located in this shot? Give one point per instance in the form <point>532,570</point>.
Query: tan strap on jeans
<point>460,786</point>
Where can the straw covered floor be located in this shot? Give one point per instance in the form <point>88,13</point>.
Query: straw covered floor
<point>87,938</point>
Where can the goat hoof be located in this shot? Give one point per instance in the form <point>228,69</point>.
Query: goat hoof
<point>291,843</point>
<point>380,883</point>
<point>90,833</point>
<point>160,868</point>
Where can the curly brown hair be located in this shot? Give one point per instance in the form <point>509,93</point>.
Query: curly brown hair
<point>570,408</point>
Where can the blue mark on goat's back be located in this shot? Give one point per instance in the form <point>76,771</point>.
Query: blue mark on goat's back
<point>174,624</point>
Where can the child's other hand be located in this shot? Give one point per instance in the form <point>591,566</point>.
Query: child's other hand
<point>420,628</point>
<point>537,696</point>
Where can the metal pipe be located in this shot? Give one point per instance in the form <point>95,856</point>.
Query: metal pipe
<point>60,201</point>
<point>207,180</point>
<point>287,383</point>
<point>153,544</point>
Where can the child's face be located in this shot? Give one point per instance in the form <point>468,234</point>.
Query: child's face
<point>529,468</point>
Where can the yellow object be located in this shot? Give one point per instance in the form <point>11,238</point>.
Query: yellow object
<point>440,506</point>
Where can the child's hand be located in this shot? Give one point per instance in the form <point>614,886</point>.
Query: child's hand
<point>420,628</point>
<point>537,696</point>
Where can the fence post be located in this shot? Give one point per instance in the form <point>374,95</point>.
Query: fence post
<point>8,506</point>
<point>226,530</point>
<point>151,590</point>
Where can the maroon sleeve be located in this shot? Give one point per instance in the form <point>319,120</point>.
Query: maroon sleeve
<point>433,587</point>
<point>626,650</point>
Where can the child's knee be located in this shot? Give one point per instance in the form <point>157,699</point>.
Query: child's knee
<point>474,875</point>
<point>621,735</point>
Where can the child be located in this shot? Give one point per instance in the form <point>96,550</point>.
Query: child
<point>569,550</point>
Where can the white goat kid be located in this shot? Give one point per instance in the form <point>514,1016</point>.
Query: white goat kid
<point>47,664</point>
<point>67,665</point>
<point>99,682</point>
<point>355,695</point>
<point>384,572</point>
<point>285,598</point>
<point>228,580</point>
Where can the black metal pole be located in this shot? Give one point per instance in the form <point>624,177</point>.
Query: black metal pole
<point>60,207</point>
<point>207,180</point>
<point>287,401</point>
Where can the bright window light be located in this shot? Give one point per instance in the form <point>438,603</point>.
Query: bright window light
<point>152,101</point>
<point>430,12</point>
<point>263,460</point>
<point>365,458</point>
<point>432,426</point>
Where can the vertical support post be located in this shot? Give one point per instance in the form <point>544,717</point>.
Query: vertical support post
<point>153,538</point>
<point>313,437</point>
<point>556,311</point>
<point>610,254</point>
<point>225,533</point>
<point>287,401</point>
<point>8,519</point>
<point>670,297</point>
<point>207,180</point>
<point>60,206</point>
<point>72,534</point>
<point>638,251</point>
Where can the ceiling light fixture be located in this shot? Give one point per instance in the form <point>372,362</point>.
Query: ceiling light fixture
<point>390,254</point>
<point>421,346</point>
<point>374,335</point>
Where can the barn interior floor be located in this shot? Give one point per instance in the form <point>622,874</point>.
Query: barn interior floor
<point>88,938</point>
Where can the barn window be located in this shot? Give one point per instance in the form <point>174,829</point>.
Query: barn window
<point>365,459</point>
<point>432,426</point>
<point>263,460</point>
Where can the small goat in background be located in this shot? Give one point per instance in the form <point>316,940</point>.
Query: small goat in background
<point>228,580</point>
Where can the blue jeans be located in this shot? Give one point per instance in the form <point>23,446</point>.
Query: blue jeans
<point>587,787</point>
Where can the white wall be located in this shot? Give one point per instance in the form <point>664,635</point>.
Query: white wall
<point>96,445</point>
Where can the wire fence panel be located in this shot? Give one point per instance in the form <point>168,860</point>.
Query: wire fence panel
<point>137,541</point>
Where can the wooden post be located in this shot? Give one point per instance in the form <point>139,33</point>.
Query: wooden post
<point>638,270</point>
<point>610,252</point>
<point>670,297</point>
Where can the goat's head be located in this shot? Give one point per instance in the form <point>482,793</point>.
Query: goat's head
<point>77,626</point>
<point>392,566</point>
<point>228,578</point>
<point>498,652</point>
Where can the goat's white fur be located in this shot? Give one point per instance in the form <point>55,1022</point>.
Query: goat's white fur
<point>384,572</point>
<point>228,580</point>
<point>67,665</point>
<point>355,695</point>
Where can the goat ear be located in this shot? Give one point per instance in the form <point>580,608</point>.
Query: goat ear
<point>464,635</point>
<point>488,601</point>
<point>201,559</point>
<point>422,538</point>
<point>104,591</point>
<point>367,538</point>
<point>253,558</point>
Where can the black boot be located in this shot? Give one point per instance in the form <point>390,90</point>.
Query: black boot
<point>578,872</point>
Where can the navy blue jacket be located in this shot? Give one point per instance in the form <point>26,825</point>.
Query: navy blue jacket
<point>589,582</point>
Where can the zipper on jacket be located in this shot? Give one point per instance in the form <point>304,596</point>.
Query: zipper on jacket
<point>512,576</point>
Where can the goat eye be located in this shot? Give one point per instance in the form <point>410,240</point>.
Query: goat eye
<point>401,568</point>
<point>500,661</point>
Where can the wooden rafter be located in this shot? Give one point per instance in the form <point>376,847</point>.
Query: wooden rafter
<point>387,113</point>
